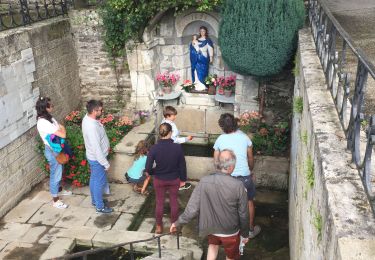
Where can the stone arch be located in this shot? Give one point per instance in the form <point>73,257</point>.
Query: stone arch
<point>210,19</point>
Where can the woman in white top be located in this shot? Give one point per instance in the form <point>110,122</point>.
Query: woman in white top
<point>46,124</point>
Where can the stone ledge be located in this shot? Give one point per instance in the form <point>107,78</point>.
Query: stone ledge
<point>59,247</point>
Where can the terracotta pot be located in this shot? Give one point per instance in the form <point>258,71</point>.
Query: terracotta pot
<point>167,90</point>
<point>227,93</point>
<point>211,90</point>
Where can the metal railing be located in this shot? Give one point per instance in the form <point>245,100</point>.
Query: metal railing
<point>84,254</point>
<point>334,47</point>
<point>15,13</point>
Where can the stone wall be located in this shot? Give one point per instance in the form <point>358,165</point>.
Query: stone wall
<point>96,71</point>
<point>329,212</point>
<point>38,59</point>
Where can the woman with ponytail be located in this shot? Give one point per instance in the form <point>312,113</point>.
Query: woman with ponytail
<point>47,125</point>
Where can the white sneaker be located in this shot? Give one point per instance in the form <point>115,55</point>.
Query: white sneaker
<point>254,232</point>
<point>65,193</point>
<point>59,204</point>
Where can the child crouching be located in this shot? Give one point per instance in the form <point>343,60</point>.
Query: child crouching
<point>135,174</point>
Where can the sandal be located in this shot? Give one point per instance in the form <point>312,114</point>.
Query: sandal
<point>136,189</point>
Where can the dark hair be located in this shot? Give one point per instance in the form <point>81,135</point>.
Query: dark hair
<point>228,123</point>
<point>169,111</point>
<point>141,149</point>
<point>93,104</point>
<point>204,28</point>
<point>41,108</point>
<point>164,129</point>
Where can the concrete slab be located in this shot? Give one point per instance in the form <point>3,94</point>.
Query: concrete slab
<point>102,221</point>
<point>82,190</point>
<point>13,231</point>
<point>191,120</point>
<point>33,235</point>
<point>86,203</point>
<point>212,118</point>
<point>120,163</point>
<point>133,204</point>
<point>147,225</point>
<point>47,215</point>
<point>123,222</point>
<point>59,247</point>
<point>23,211</point>
<point>346,246</point>
<point>75,217</point>
<point>198,167</point>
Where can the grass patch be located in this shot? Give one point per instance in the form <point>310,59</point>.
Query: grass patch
<point>298,105</point>
<point>318,224</point>
<point>295,70</point>
<point>310,171</point>
<point>304,137</point>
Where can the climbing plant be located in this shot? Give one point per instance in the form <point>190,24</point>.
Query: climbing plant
<point>257,37</point>
<point>125,20</point>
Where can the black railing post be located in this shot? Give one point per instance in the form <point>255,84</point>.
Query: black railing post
<point>159,247</point>
<point>178,240</point>
<point>131,251</point>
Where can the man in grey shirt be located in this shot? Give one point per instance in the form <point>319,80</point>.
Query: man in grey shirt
<point>221,203</point>
<point>97,148</point>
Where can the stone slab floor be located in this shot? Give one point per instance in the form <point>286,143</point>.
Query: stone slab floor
<point>29,228</point>
<point>33,225</point>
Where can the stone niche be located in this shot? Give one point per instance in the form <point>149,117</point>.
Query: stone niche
<point>166,47</point>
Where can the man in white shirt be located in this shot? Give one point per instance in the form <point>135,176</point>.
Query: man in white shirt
<point>97,148</point>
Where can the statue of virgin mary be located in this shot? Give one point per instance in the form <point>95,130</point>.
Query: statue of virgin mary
<point>201,55</point>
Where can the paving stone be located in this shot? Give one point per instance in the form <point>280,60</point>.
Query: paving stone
<point>81,190</point>
<point>86,203</point>
<point>3,243</point>
<point>43,196</point>
<point>75,217</point>
<point>13,231</point>
<point>120,191</point>
<point>123,222</point>
<point>133,204</point>
<point>33,235</point>
<point>83,235</point>
<point>147,225</point>
<point>59,247</point>
<point>47,215</point>
<point>102,221</point>
<point>49,236</point>
<point>73,200</point>
<point>7,252</point>
<point>111,237</point>
<point>23,211</point>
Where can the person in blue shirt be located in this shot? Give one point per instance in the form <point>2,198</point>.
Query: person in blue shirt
<point>235,140</point>
<point>136,174</point>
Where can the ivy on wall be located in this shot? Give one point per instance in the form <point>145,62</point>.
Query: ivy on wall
<point>125,20</point>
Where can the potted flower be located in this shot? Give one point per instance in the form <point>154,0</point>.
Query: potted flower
<point>187,85</point>
<point>211,82</point>
<point>226,85</point>
<point>167,80</point>
<point>230,84</point>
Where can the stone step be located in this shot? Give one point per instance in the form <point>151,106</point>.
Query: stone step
<point>171,254</point>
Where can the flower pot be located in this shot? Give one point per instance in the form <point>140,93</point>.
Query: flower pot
<point>227,92</point>
<point>220,91</point>
<point>167,90</point>
<point>211,90</point>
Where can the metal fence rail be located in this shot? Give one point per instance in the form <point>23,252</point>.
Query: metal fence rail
<point>25,12</point>
<point>334,46</point>
<point>84,254</point>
